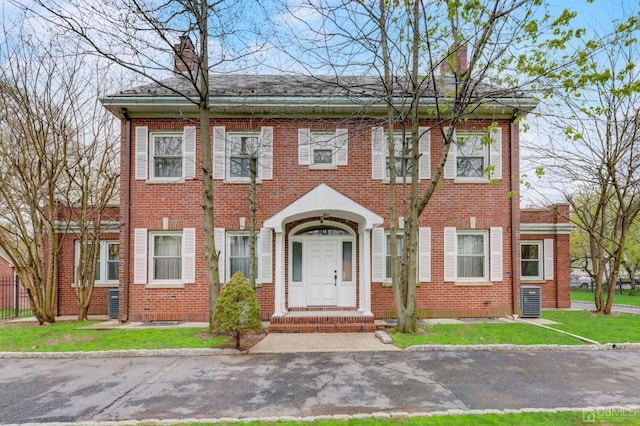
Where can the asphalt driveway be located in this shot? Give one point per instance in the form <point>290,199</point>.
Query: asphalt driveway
<point>301,385</point>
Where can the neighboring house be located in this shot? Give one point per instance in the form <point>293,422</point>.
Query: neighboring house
<point>322,206</point>
<point>7,270</point>
<point>107,267</point>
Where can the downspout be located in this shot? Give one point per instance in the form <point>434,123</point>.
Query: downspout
<point>515,208</point>
<point>123,303</point>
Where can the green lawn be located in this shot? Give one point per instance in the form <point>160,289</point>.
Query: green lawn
<point>483,334</point>
<point>620,328</point>
<point>65,336</point>
<point>623,299</point>
<point>606,417</point>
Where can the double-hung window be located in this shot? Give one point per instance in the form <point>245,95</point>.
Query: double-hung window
<point>472,155</point>
<point>239,254</point>
<point>165,156</point>
<point>399,247</point>
<point>322,149</point>
<point>166,257</point>
<point>233,152</point>
<point>531,260</point>
<point>402,144</point>
<point>241,149</point>
<point>475,155</point>
<point>472,257</point>
<point>107,264</point>
<point>166,151</point>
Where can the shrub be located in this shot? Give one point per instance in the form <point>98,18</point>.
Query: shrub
<point>237,311</point>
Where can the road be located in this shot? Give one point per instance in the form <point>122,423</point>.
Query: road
<point>136,388</point>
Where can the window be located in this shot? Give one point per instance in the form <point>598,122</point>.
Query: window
<point>400,245</point>
<point>239,254</point>
<point>233,151</point>
<point>472,256</point>
<point>475,156</point>
<point>403,145</point>
<point>165,157</point>
<point>471,158</point>
<point>166,257</point>
<point>166,151</point>
<point>322,150</point>
<point>108,264</point>
<point>241,148</point>
<point>402,149</point>
<point>531,260</point>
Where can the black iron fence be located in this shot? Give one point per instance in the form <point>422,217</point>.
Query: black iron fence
<point>13,299</point>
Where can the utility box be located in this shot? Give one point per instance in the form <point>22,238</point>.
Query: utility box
<point>113,302</point>
<point>530,301</point>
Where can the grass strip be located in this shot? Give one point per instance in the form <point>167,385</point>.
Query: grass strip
<point>62,337</point>
<point>483,334</point>
<point>617,328</point>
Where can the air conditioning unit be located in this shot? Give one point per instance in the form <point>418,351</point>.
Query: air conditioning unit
<point>530,302</point>
<point>113,302</point>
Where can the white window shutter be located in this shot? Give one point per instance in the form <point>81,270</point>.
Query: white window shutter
<point>304,147</point>
<point>266,153</point>
<point>265,257</point>
<point>189,255</point>
<point>450,254</point>
<point>342,145</point>
<point>450,166</point>
<point>220,243</point>
<point>140,256</point>
<point>219,152</point>
<point>496,253</point>
<point>378,260</point>
<point>495,153</point>
<point>548,259</point>
<point>189,152</point>
<point>378,153</point>
<point>142,152</point>
<point>424,255</point>
<point>424,145</point>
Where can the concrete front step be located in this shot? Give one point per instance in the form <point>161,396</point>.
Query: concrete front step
<point>322,322</point>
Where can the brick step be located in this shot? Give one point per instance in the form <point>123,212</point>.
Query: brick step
<point>329,321</point>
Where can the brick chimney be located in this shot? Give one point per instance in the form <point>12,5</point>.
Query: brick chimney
<point>185,58</point>
<point>457,59</point>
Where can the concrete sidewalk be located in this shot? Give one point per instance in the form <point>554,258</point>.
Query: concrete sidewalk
<point>320,342</point>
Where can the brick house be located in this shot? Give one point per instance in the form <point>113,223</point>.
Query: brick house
<point>107,267</point>
<point>322,206</point>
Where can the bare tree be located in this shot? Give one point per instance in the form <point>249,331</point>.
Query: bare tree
<point>441,60</point>
<point>141,35</point>
<point>596,158</point>
<point>43,152</point>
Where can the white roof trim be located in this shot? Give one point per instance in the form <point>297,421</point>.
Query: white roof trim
<point>546,228</point>
<point>323,199</point>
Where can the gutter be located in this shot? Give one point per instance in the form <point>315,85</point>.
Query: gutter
<point>123,303</point>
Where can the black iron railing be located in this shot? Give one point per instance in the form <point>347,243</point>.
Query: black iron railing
<point>13,299</point>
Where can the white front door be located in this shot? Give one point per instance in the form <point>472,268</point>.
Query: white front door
<point>322,279</point>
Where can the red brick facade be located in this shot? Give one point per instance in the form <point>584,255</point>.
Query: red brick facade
<point>66,301</point>
<point>295,198</point>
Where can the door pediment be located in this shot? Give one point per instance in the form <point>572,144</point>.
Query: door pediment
<point>323,199</point>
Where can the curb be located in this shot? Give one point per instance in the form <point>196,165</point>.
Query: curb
<point>524,348</point>
<point>589,414</point>
<point>139,353</point>
<point>121,353</point>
